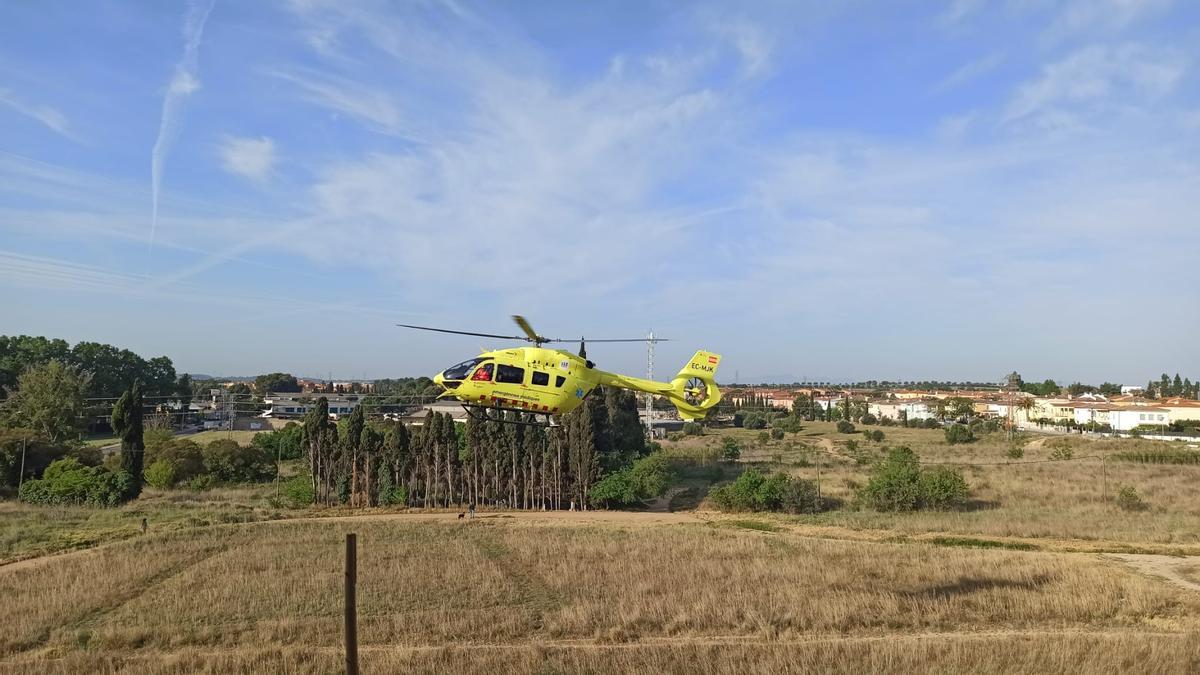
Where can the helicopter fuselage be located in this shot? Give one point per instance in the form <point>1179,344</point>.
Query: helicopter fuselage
<point>538,380</point>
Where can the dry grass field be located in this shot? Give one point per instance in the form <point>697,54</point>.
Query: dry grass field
<point>1032,497</point>
<point>533,593</point>
<point>1040,574</point>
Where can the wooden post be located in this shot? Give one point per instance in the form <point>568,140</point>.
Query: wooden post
<point>351,605</point>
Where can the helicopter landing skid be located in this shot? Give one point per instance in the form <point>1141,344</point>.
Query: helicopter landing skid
<point>480,413</point>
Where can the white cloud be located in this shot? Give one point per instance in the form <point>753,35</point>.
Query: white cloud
<point>1089,17</point>
<point>358,100</point>
<point>1128,75</point>
<point>252,158</point>
<point>51,118</point>
<point>971,71</point>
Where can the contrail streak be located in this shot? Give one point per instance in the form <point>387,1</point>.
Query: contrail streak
<point>183,83</point>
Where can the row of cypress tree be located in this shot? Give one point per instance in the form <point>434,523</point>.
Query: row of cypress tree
<point>496,461</point>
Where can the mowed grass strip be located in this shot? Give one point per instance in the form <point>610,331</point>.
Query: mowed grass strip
<point>279,585</point>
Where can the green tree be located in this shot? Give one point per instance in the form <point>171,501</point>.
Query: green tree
<point>276,383</point>
<point>49,399</point>
<point>958,433</point>
<point>127,422</point>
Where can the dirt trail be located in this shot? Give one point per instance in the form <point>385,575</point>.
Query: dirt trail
<point>1169,568</point>
<point>829,446</point>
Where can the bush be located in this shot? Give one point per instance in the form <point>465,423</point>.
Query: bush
<point>285,443</point>
<point>200,483</point>
<point>161,474</point>
<point>39,454</point>
<point>957,433</point>
<point>754,492</point>
<point>185,456</point>
<point>845,427</point>
<point>899,484</point>
<point>1062,453</point>
<point>931,423</point>
<point>790,424</point>
<point>154,438</point>
<point>754,421</point>
<point>1015,452</point>
<point>67,481</point>
<point>297,491</point>
<point>647,478</point>
<point>886,421</point>
<point>942,488</point>
<point>877,436</point>
<point>1129,500</point>
<point>693,429</point>
<point>869,419</point>
<point>731,450</point>
<point>777,433</point>
<point>227,461</point>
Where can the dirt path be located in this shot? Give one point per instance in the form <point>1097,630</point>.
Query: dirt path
<point>830,447</point>
<point>1037,443</point>
<point>1166,567</point>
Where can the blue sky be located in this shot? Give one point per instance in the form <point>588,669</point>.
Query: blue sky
<point>871,190</point>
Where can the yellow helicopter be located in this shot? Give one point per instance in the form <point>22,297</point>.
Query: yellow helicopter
<point>552,382</point>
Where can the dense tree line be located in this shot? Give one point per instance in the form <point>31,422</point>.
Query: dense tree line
<point>111,370</point>
<point>440,463</point>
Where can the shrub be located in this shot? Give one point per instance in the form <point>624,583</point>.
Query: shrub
<point>931,423</point>
<point>942,488</point>
<point>754,492</point>
<point>39,454</point>
<point>777,433</point>
<point>67,481</point>
<point>1129,500</point>
<point>200,483</point>
<point>886,421</point>
<point>754,421</point>
<point>186,457</point>
<point>852,446</point>
<point>227,461</point>
<point>957,433</point>
<point>693,429</point>
<point>877,436</point>
<point>285,443</point>
<point>869,419</point>
<point>731,450</point>
<point>297,491</point>
<point>899,484</point>
<point>1062,453</point>
<point>161,474</point>
<point>845,427</point>
<point>1015,452</point>
<point>790,424</point>
<point>647,478</point>
<point>156,437</point>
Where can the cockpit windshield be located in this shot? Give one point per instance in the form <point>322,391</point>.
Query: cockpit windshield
<point>459,371</point>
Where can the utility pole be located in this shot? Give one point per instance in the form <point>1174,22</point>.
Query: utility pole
<point>650,376</point>
<point>21,476</point>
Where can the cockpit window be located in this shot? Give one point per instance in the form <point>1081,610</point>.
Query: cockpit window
<point>483,373</point>
<point>460,371</point>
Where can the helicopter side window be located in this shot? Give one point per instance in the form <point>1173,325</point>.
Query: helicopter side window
<point>509,374</point>
<point>560,381</point>
<point>483,373</point>
<point>541,379</point>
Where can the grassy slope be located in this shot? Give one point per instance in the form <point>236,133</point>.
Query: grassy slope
<point>1027,497</point>
<point>513,595</point>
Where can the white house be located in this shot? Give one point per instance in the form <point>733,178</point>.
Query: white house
<point>1125,419</point>
<point>298,404</point>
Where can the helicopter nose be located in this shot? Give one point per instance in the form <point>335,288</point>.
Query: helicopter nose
<point>439,380</point>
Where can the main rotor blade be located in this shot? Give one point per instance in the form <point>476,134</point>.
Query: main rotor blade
<point>463,332</point>
<point>621,340</point>
<point>529,331</point>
